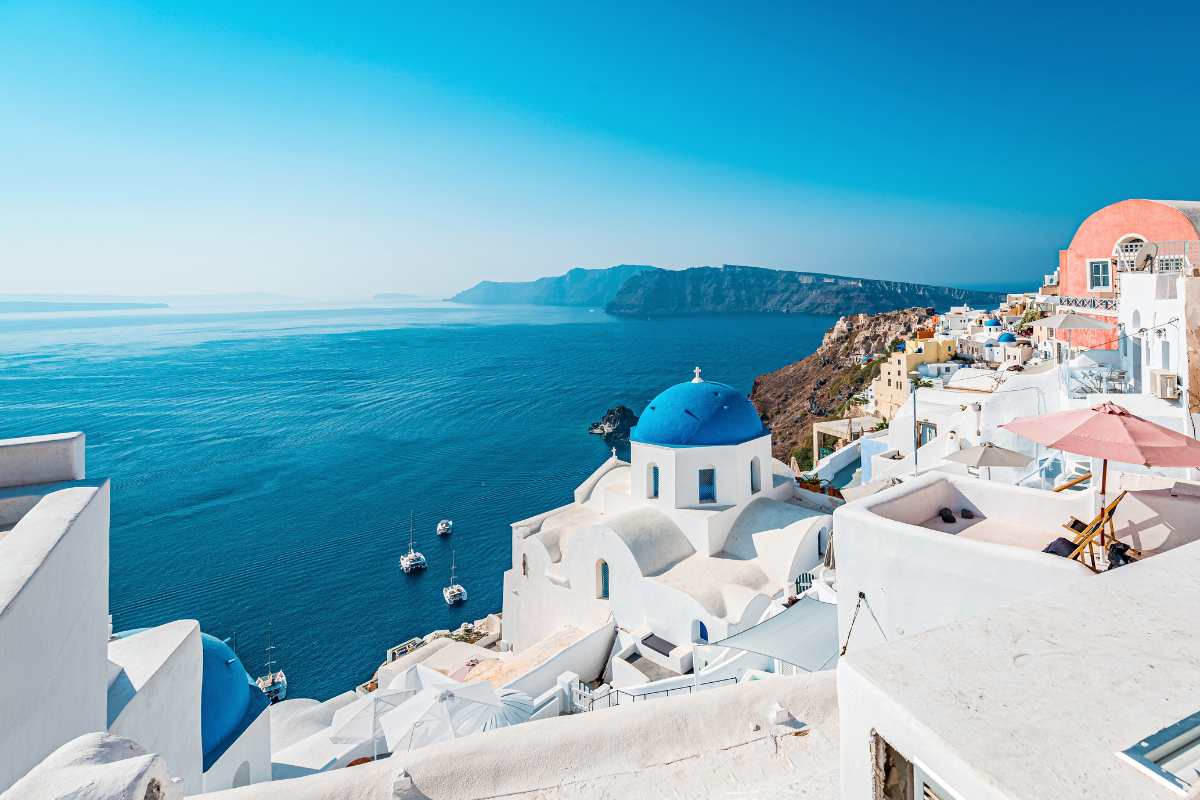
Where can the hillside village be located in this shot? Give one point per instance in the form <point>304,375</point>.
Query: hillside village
<point>985,585</point>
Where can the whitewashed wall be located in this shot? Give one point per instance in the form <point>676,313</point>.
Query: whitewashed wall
<point>163,668</point>
<point>916,579</point>
<point>53,627</point>
<point>41,459</point>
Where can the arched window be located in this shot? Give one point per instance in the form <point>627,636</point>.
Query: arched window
<point>703,632</point>
<point>708,486</point>
<point>242,776</point>
<point>602,579</point>
<point>652,481</point>
<point>755,475</point>
<point>524,565</point>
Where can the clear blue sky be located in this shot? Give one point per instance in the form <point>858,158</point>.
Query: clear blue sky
<point>336,151</point>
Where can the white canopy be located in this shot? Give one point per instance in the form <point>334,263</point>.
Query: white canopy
<point>439,714</point>
<point>516,707</point>
<point>359,721</point>
<point>1070,321</point>
<point>987,454</point>
<point>419,677</point>
<point>804,635</point>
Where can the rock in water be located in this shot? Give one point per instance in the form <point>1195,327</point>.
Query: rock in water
<point>615,424</point>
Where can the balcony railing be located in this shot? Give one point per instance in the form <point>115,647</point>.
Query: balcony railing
<point>1088,303</point>
<point>1172,256</point>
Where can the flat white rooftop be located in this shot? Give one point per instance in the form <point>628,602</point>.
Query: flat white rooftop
<point>1034,699</point>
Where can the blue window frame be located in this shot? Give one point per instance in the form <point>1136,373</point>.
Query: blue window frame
<point>703,632</point>
<point>655,494</point>
<point>708,488</point>
<point>604,579</point>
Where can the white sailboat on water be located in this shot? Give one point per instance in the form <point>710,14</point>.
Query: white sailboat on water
<point>453,593</point>
<point>273,684</point>
<point>412,559</point>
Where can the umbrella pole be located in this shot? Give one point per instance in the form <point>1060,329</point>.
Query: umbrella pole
<point>1103,499</point>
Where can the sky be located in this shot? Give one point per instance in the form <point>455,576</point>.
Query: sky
<point>332,151</point>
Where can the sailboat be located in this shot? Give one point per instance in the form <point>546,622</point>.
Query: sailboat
<point>412,559</point>
<point>273,684</point>
<point>453,593</point>
<point>445,527</point>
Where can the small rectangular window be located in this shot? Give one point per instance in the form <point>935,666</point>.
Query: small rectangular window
<point>1098,277</point>
<point>1171,757</point>
<point>708,489</point>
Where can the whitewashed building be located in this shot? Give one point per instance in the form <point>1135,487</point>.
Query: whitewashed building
<point>687,542</point>
<point>181,695</point>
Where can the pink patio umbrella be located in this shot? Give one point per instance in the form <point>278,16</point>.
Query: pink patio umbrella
<point>1108,431</point>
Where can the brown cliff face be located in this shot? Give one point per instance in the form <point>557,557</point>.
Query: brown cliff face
<point>752,290</point>
<point>791,399</point>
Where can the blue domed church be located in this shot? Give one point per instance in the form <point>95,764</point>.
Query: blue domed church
<point>689,541</point>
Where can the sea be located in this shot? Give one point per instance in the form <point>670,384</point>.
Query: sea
<point>266,462</point>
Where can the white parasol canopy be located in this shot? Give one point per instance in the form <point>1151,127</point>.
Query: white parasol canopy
<point>359,721</point>
<point>439,714</point>
<point>516,707</point>
<point>987,454</point>
<point>419,677</point>
<point>1070,321</point>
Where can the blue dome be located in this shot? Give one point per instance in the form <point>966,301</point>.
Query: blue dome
<point>699,414</point>
<point>991,323</point>
<point>1006,338</point>
<point>224,693</point>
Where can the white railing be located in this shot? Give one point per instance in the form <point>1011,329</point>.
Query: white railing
<point>1172,256</point>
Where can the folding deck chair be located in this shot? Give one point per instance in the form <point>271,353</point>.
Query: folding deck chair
<point>1084,535</point>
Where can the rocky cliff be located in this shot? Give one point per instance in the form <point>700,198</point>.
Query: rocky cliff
<point>791,399</point>
<point>579,287</point>
<point>616,425</point>
<point>752,290</point>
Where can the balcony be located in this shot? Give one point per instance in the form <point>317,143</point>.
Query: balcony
<point>1102,305</point>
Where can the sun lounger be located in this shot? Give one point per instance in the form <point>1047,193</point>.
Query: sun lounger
<point>1087,535</point>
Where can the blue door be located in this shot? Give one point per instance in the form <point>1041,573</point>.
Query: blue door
<point>708,489</point>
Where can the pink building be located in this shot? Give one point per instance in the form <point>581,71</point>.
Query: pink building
<point>1090,268</point>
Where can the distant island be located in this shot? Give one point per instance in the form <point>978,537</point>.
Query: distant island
<point>26,307</point>
<point>152,301</point>
<point>395,296</point>
<point>733,289</point>
<point>579,287</point>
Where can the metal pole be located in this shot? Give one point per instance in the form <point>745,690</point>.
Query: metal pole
<point>916,429</point>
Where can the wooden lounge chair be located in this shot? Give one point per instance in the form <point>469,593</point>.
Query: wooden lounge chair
<point>1084,535</point>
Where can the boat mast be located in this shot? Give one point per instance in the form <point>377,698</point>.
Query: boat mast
<point>451,567</point>
<point>270,647</point>
<point>410,532</point>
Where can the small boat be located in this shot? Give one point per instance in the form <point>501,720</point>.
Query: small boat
<point>445,527</point>
<point>453,593</point>
<point>274,683</point>
<point>412,559</point>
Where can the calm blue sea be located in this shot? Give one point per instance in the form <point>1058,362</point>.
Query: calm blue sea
<point>264,462</point>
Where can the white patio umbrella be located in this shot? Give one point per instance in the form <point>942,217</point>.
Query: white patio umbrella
<point>439,714</point>
<point>987,454</point>
<point>359,721</point>
<point>420,677</point>
<point>516,707</point>
<point>1070,321</point>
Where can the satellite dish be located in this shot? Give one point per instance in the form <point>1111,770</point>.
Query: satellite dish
<point>1143,259</point>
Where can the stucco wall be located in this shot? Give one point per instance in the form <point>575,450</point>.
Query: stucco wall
<point>1096,238</point>
<point>916,579</point>
<point>163,667</point>
<point>41,459</point>
<point>253,747</point>
<point>53,627</point>
<point>586,658</point>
